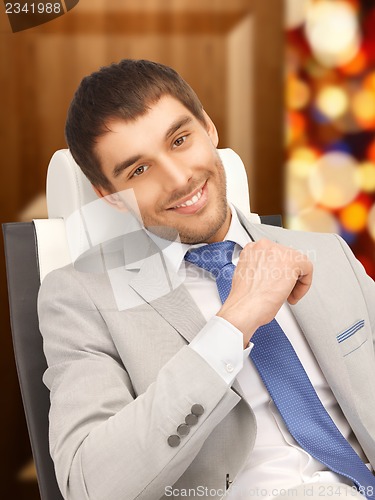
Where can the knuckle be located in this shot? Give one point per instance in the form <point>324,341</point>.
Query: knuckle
<point>263,243</point>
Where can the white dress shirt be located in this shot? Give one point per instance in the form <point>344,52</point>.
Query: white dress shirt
<point>276,462</point>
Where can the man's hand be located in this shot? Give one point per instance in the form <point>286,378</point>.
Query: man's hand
<point>267,275</point>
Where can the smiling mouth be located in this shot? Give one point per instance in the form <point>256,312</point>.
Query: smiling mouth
<point>192,201</point>
<point>198,199</point>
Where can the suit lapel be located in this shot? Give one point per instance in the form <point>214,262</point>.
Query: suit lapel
<point>164,290</point>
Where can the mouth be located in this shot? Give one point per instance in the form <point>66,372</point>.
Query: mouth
<point>193,202</point>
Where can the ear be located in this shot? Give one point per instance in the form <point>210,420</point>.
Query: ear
<point>113,199</point>
<point>211,129</point>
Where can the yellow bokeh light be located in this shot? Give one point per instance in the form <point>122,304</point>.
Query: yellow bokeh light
<point>300,162</point>
<point>366,176</point>
<point>333,180</point>
<point>363,106</point>
<point>371,222</point>
<point>304,154</point>
<point>332,101</point>
<point>298,168</point>
<point>354,217</point>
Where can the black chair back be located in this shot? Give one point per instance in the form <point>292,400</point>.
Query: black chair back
<point>23,286</point>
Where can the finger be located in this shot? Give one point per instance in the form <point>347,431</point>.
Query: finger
<point>301,287</point>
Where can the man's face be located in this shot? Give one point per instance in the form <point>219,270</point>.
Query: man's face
<point>169,158</point>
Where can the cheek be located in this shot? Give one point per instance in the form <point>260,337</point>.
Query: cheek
<point>147,199</point>
<point>204,153</point>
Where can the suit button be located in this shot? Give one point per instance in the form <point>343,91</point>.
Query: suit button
<point>183,429</point>
<point>191,419</point>
<point>174,440</point>
<point>197,410</point>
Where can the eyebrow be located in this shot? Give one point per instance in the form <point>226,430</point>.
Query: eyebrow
<point>176,125</point>
<point>181,122</point>
<point>120,167</point>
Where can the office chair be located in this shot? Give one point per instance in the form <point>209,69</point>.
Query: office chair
<point>33,249</point>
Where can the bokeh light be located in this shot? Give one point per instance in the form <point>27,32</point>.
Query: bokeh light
<point>333,181</point>
<point>355,65</point>
<point>295,127</point>
<point>330,108</point>
<point>371,222</point>
<point>297,93</point>
<point>371,151</point>
<point>369,81</point>
<point>332,101</point>
<point>354,217</point>
<point>333,32</point>
<point>301,161</point>
<point>314,219</point>
<point>363,106</point>
<point>366,177</point>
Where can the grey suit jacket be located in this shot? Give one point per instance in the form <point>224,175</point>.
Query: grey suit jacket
<point>121,382</point>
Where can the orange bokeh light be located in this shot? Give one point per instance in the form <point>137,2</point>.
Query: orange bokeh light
<point>356,65</point>
<point>371,151</point>
<point>296,125</point>
<point>363,107</point>
<point>369,82</point>
<point>354,217</point>
<point>297,93</point>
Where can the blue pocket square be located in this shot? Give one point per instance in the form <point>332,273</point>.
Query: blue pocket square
<point>350,331</point>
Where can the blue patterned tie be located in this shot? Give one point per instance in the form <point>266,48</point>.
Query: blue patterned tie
<point>287,382</point>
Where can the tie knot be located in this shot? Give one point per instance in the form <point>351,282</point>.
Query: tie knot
<point>212,257</point>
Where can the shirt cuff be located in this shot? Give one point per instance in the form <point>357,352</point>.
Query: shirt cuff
<point>221,345</point>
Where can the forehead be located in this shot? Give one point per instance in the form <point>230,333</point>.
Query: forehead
<point>161,113</point>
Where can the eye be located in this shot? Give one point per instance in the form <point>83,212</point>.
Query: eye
<point>139,171</point>
<point>178,142</point>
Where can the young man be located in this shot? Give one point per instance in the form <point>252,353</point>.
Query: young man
<point>161,399</point>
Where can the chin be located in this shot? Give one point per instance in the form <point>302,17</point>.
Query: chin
<point>204,230</point>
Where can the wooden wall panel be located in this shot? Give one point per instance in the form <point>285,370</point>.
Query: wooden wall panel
<point>268,108</point>
<point>239,116</point>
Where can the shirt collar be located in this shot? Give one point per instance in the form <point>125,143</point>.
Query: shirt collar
<point>174,251</point>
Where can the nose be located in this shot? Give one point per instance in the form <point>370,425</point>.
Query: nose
<point>175,173</point>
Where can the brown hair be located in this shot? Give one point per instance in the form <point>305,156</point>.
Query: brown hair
<point>124,90</point>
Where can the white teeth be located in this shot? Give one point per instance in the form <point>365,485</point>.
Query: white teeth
<point>192,201</point>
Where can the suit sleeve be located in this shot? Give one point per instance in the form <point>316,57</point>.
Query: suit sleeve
<point>106,444</point>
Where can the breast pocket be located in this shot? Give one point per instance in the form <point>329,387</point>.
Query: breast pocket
<point>352,338</point>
